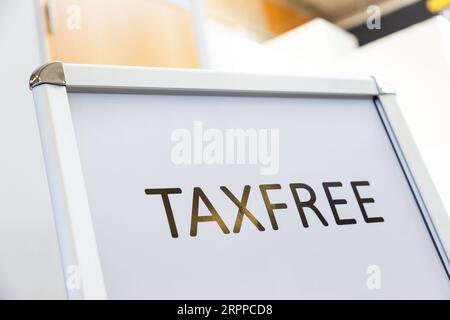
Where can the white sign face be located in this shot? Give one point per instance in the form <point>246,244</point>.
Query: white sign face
<point>250,198</point>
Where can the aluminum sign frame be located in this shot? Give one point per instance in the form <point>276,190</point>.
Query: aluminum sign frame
<point>52,82</point>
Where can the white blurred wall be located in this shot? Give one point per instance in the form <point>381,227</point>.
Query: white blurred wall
<point>29,256</point>
<point>305,50</point>
<point>317,41</point>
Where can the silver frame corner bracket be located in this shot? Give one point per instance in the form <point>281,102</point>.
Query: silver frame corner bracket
<point>49,73</point>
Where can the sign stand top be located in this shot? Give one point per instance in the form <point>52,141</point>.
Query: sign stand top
<point>100,78</point>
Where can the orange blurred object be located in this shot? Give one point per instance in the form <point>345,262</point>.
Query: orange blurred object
<point>266,18</point>
<point>121,32</point>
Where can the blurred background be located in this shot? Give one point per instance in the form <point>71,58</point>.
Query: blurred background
<point>406,43</point>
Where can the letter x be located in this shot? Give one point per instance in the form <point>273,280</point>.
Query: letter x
<point>242,205</point>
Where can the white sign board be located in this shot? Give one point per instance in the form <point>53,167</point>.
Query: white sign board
<point>212,186</point>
